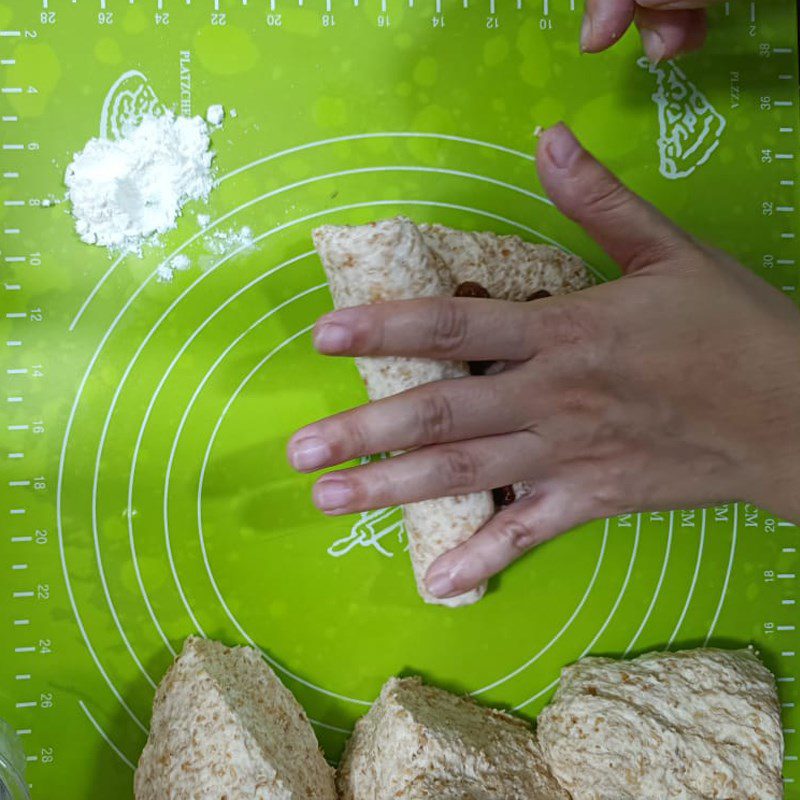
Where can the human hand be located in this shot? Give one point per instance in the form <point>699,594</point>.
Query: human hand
<point>668,27</point>
<point>677,385</point>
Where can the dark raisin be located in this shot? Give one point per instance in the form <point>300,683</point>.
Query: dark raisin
<point>479,367</point>
<point>539,294</point>
<point>504,496</point>
<point>470,289</point>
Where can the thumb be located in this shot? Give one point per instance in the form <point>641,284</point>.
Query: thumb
<point>628,228</point>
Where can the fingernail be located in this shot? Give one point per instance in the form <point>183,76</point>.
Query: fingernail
<point>653,44</point>
<point>332,338</point>
<point>562,146</point>
<point>440,583</point>
<point>586,32</point>
<point>332,494</point>
<point>309,453</point>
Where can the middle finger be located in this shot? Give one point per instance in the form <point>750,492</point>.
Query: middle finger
<point>443,411</point>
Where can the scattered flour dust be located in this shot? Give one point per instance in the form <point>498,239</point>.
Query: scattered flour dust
<point>125,192</point>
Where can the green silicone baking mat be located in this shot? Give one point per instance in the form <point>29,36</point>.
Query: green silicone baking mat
<point>145,494</point>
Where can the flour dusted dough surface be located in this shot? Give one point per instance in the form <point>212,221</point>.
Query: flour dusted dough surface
<point>224,726</point>
<point>396,260</point>
<point>696,725</point>
<point>419,742</point>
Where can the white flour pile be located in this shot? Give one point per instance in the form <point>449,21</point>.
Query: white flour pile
<point>125,191</point>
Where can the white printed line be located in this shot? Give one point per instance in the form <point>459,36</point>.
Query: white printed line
<point>12,118</point>
<point>22,677</point>
<point>16,455</point>
<point>105,736</point>
<point>784,77</point>
<point>19,483</point>
<point>21,622</point>
<point>786,627</point>
<point>787,705</point>
<point>785,130</point>
<point>789,758</point>
<point>727,8</point>
<point>788,653</point>
<point>787,575</point>
<point>781,49</point>
<point>10,203</point>
<point>752,11</point>
<point>18,595</point>
<point>21,371</point>
<point>783,103</point>
<point>10,33</point>
<point>23,731</point>
<point>27,704</point>
<point>15,259</point>
<point>18,90</point>
<point>787,182</point>
<point>13,343</point>
<point>18,567</point>
<point>785,262</point>
<point>786,679</point>
<point>14,399</point>
<point>788,602</point>
<point>786,525</point>
<point>787,236</point>
<point>785,209</point>
<point>11,231</point>
<point>17,427</point>
<point>17,511</point>
<point>20,539</point>
<point>789,550</point>
<point>13,147</point>
<point>24,649</point>
<point>16,315</point>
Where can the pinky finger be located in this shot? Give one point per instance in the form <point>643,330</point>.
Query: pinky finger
<point>507,536</point>
<point>666,34</point>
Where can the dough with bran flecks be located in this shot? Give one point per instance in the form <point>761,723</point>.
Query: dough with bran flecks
<point>691,725</point>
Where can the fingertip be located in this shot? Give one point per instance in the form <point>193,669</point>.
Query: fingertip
<point>604,23</point>
<point>558,147</point>
<point>443,578</point>
<point>331,338</point>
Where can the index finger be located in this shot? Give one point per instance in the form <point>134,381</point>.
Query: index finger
<point>436,327</point>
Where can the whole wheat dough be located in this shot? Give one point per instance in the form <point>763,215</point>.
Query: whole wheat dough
<point>223,725</point>
<point>696,725</point>
<point>396,260</point>
<point>389,260</point>
<point>422,743</point>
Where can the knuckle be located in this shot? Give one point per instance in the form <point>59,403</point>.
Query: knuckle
<point>352,439</point>
<point>460,470</point>
<point>517,536</point>
<point>449,327</point>
<point>435,417</point>
<point>606,195</point>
